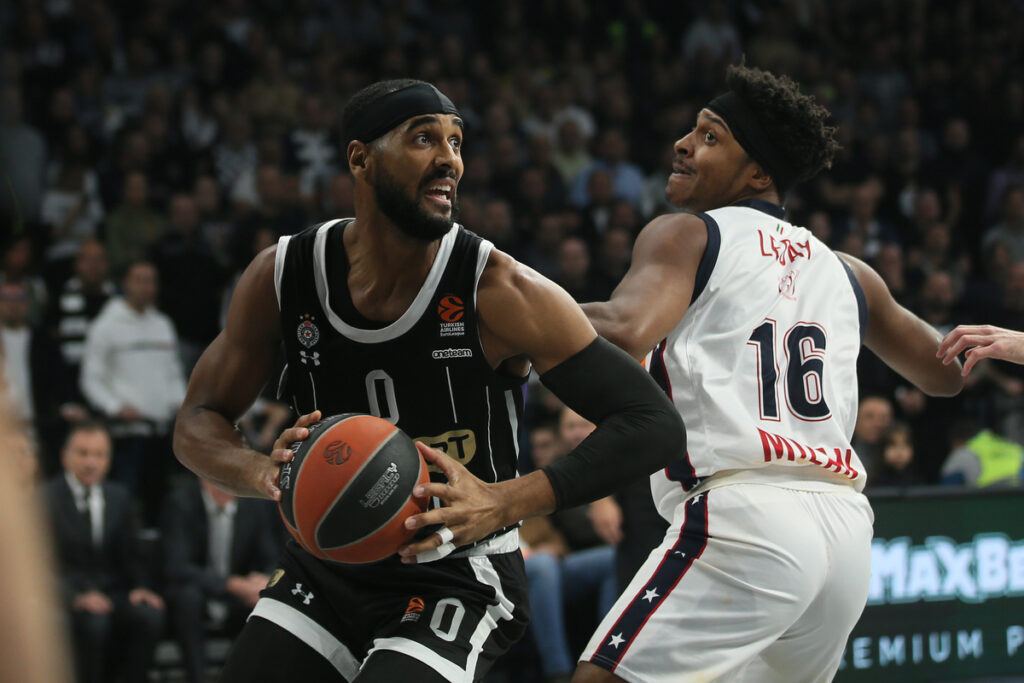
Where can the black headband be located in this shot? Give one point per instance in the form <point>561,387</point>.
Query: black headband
<point>754,139</point>
<point>393,108</point>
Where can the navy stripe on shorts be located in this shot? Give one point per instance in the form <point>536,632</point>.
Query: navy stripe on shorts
<point>693,538</point>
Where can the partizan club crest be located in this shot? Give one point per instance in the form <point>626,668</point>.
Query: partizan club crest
<point>308,332</point>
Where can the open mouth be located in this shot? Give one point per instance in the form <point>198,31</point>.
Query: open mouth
<point>441,192</point>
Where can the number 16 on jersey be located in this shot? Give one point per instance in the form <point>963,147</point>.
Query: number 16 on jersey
<point>803,365</point>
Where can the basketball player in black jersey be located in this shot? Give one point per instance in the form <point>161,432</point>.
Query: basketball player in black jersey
<point>403,314</point>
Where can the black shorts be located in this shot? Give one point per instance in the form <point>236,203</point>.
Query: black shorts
<point>455,616</point>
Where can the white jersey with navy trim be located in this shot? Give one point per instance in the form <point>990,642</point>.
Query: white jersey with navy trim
<point>762,367</point>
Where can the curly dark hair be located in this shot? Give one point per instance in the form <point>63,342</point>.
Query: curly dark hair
<point>370,94</point>
<point>795,120</point>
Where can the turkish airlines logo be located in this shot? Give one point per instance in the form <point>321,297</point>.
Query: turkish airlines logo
<point>412,612</point>
<point>451,309</point>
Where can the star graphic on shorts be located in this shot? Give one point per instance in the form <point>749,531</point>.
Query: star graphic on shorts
<point>617,640</point>
<point>651,594</point>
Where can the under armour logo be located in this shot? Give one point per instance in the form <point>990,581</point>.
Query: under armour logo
<point>306,597</point>
<point>696,499</point>
<point>306,357</point>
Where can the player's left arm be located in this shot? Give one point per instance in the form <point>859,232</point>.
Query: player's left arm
<point>905,342</point>
<point>655,292</point>
<point>638,429</point>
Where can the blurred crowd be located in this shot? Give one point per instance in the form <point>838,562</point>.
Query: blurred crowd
<point>151,149</point>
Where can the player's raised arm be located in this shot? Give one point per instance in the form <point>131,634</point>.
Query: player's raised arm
<point>522,314</point>
<point>656,291</point>
<point>225,382</point>
<point>906,343</point>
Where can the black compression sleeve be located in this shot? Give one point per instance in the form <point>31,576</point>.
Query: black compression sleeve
<point>638,429</point>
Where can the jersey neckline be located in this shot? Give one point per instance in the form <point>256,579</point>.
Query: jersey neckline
<point>412,314</point>
<point>763,206</point>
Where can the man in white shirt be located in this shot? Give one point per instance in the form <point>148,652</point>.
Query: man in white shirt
<point>131,373</point>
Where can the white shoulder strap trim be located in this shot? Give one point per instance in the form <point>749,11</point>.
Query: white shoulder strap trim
<point>483,254</point>
<point>282,251</point>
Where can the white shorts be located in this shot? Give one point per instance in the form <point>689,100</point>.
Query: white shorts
<point>753,582</point>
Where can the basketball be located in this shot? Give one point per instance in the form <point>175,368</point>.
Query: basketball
<point>348,490</point>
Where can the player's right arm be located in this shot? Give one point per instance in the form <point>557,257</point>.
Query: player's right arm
<point>225,382</point>
<point>656,290</point>
<point>902,340</point>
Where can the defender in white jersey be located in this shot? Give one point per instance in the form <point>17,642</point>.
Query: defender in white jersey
<point>755,327</point>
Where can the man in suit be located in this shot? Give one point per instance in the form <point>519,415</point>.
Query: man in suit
<point>102,578</point>
<point>218,551</point>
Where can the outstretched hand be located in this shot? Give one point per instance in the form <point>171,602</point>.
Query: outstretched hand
<point>471,509</point>
<point>981,341</point>
<point>268,474</point>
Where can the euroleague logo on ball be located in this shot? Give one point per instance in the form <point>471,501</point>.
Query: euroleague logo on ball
<point>337,453</point>
<point>451,309</point>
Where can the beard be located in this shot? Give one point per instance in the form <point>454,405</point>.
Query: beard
<point>407,214</point>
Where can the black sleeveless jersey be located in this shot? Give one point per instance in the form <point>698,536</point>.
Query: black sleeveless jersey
<point>425,372</point>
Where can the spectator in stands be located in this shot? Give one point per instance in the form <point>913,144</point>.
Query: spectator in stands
<point>986,459</point>
<point>714,34</point>
<point>938,253</point>
<point>566,560</point>
<point>506,162</point>
<point>132,375</point>
<point>874,416</point>
<point>596,216</point>
<point>18,268</point>
<point>897,468</point>
<point>615,250</point>
<point>116,618</point>
<point>339,196</point>
<point>570,156</point>
<point>272,95</point>
<point>542,252</point>
<point>235,155</point>
<point>72,209</point>
<point>936,299</point>
<point>215,229</point>
<point>1003,178</point>
<point>539,158</point>
<point>864,221</point>
<point>78,303</point>
<point>496,225</point>
<point>613,158</point>
<point>23,159</point>
<point>576,274</point>
<point>273,209</point>
<point>1010,230</point>
<point>312,152</point>
<point>191,280</point>
<point>218,552</point>
<point>35,382</point>
<point>891,266</point>
<point>132,227</point>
